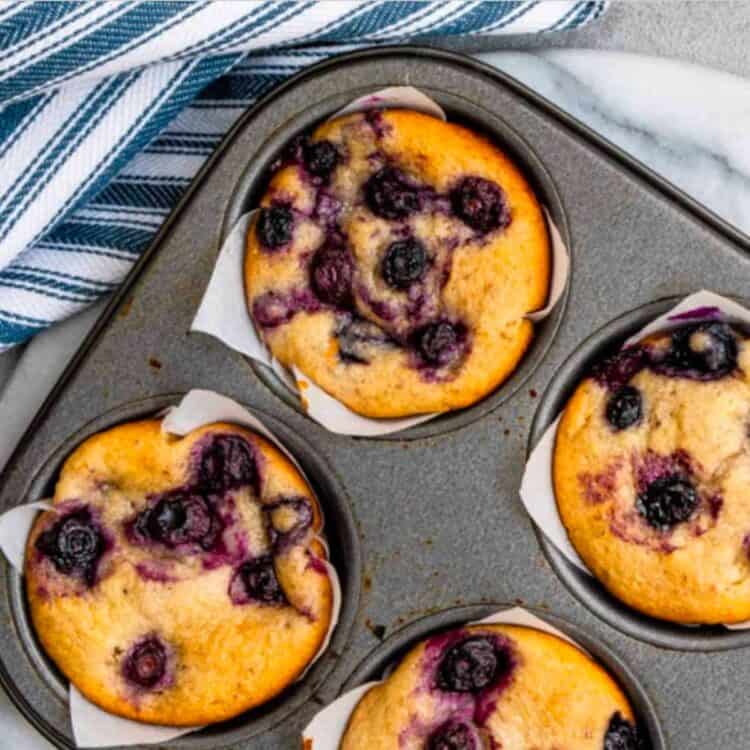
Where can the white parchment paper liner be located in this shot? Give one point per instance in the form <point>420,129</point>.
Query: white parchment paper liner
<point>223,312</point>
<point>93,727</point>
<point>327,728</point>
<point>537,491</point>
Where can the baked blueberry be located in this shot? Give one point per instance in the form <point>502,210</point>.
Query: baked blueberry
<point>180,517</point>
<point>625,407</point>
<point>622,735</point>
<point>259,582</point>
<point>471,665</point>
<point>481,204</point>
<point>390,195</point>
<point>289,518</point>
<point>667,501</point>
<point>355,336</point>
<point>275,226</point>
<point>146,663</point>
<point>74,544</point>
<point>706,348</point>
<point>321,158</point>
<point>404,263</point>
<point>332,272</point>
<point>439,343</point>
<point>453,735</point>
<point>227,463</point>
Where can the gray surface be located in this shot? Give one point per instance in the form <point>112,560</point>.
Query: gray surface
<point>709,33</point>
<point>440,518</point>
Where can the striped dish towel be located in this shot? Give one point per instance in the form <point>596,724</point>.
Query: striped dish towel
<point>108,109</point>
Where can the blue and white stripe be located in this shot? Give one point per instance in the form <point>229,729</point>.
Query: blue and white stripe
<point>108,110</point>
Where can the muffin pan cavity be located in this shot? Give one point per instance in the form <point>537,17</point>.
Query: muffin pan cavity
<point>51,689</point>
<point>586,588</point>
<point>386,656</point>
<point>484,119</point>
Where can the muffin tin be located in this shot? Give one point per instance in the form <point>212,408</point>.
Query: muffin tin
<point>438,519</point>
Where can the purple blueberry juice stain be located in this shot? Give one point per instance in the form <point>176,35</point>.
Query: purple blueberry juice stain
<point>272,309</point>
<point>699,313</point>
<point>154,571</point>
<point>289,519</point>
<point>75,543</point>
<point>255,580</point>
<point>147,665</point>
<point>616,371</point>
<point>327,209</point>
<point>599,487</point>
<point>454,735</point>
<point>374,118</point>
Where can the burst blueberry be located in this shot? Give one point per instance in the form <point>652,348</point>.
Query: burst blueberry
<point>390,195</point>
<point>404,263</point>
<point>439,343</point>
<point>453,735</point>
<point>481,204</point>
<point>179,518</point>
<point>146,664</point>
<point>622,735</point>
<point>274,226</point>
<point>226,464</point>
<point>625,407</point>
<point>289,519</point>
<point>706,348</point>
<point>471,665</point>
<point>355,336</point>
<point>332,271</point>
<point>321,158</point>
<point>667,501</point>
<point>259,582</point>
<point>74,544</point>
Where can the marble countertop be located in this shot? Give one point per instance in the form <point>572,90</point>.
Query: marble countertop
<point>687,122</point>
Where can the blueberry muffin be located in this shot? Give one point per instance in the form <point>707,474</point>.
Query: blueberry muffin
<point>494,686</point>
<point>394,260</point>
<point>652,474</point>
<point>179,581</point>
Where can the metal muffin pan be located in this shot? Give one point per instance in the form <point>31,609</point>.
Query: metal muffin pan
<point>346,555</point>
<point>659,632</point>
<point>439,517</point>
<point>254,180</point>
<point>394,648</point>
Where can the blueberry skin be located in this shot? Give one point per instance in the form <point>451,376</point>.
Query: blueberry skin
<point>470,666</point>
<point>332,272</point>
<point>259,580</point>
<point>624,408</point>
<point>453,735</point>
<point>146,663</point>
<point>274,227</point>
<point>709,349</point>
<point>226,464</point>
<point>321,158</point>
<point>667,501</point>
<point>355,335</point>
<point>404,263</point>
<point>438,343</point>
<point>389,195</point>
<point>481,204</point>
<point>622,735</point>
<point>180,517</point>
<point>74,545</point>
